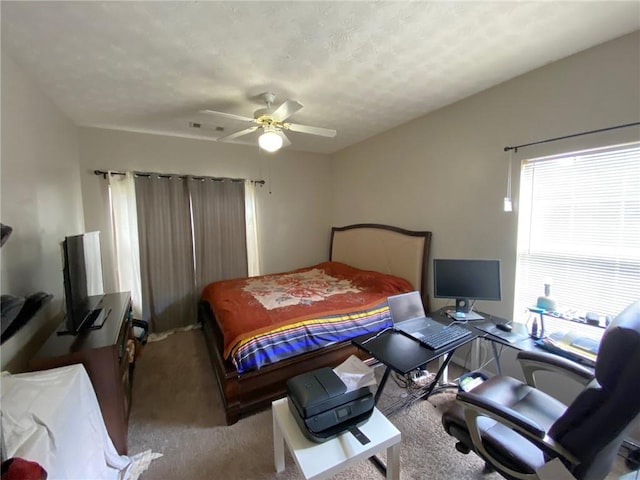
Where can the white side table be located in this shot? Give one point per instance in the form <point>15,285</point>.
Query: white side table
<point>323,460</point>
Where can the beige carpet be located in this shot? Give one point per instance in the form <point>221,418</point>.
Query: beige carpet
<point>177,412</point>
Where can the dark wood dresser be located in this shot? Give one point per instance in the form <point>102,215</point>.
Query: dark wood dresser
<point>103,352</point>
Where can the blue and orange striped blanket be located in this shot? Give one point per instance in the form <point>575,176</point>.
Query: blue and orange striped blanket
<point>272,317</point>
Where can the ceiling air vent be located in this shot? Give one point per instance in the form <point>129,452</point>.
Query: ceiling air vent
<point>206,127</point>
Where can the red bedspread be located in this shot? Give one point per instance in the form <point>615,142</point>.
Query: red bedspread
<point>245,307</point>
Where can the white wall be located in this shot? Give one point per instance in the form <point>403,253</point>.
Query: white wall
<point>446,172</point>
<point>41,200</point>
<point>293,206</point>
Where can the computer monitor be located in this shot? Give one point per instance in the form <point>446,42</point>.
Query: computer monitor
<point>466,280</point>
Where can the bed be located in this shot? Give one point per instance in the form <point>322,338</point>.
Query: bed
<point>396,257</point>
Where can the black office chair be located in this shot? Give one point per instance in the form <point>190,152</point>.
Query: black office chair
<point>517,429</point>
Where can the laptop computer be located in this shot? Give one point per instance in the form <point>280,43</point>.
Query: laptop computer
<point>407,313</point>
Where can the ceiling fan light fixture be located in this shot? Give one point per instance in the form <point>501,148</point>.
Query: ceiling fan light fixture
<point>270,141</point>
<point>271,123</point>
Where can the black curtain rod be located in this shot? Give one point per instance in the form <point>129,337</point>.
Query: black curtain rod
<point>104,174</point>
<point>515,148</point>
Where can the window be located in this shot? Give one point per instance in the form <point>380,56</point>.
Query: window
<point>579,228</point>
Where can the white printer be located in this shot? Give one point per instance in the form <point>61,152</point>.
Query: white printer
<point>323,408</point>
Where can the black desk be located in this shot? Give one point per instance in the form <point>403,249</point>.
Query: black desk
<point>401,353</point>
<point>518,339</point>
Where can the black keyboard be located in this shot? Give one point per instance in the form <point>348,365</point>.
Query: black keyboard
<point>451,334</point>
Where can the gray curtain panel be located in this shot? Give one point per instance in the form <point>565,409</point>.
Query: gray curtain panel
<point>220,241</point>
<point>166,252</point>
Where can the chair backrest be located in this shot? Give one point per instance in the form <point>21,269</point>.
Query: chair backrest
<point>595,424</point>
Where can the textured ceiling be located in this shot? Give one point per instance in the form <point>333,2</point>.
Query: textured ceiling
<point>358,67</point>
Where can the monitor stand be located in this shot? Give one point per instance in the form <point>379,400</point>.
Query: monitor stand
<point>462,305</point>
<point>463,312</point>
<point>464,317</point>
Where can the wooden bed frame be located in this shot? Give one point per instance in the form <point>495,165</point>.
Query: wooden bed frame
<point>382,248</point>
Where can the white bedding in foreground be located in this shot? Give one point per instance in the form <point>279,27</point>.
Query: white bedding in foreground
<point>53,417</point>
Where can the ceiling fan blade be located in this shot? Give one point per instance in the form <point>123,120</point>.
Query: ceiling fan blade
<point>246,131</point>
<point>285,110</point>
<point>323,132</point>
<point>227,115</point>
<point>285,140</point>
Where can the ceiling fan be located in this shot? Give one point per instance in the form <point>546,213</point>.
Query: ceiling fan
<point>272,122</point>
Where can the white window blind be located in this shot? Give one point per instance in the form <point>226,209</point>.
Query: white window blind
<point>579,225</point>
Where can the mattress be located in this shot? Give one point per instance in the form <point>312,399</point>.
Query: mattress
<point>272,317</point>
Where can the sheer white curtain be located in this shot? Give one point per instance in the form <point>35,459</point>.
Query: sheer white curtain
<point>93,263</point>
<point>124,222</point>
<point>251,218</point>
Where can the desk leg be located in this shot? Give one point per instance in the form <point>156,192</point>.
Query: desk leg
<point>383,380</point>
<point>496,357</point>
<point>436,380</point>
<point>393,462</point>
<point>445,373</point>
<point>278,446</point>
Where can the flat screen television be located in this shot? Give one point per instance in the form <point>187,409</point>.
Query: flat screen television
<point>82,310</point>
<point>466,280</point>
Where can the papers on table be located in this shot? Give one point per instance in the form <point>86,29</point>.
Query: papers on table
<point>583,348</point>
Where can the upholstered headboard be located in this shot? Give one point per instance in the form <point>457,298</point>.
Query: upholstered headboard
<point>386,249</point>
